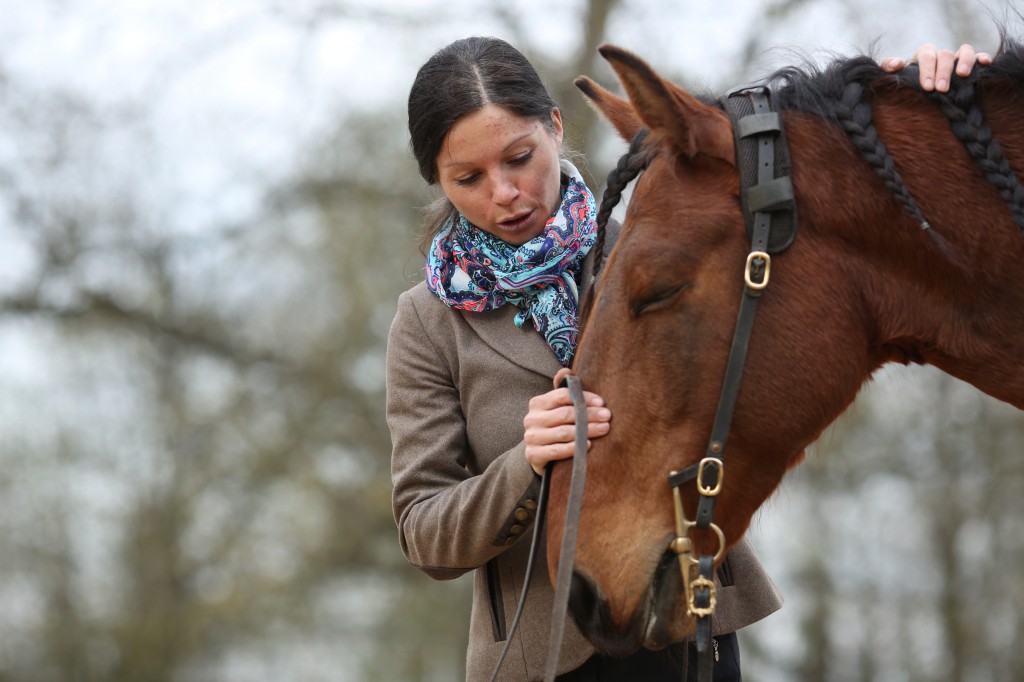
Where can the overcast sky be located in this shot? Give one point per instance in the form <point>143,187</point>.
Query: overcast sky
<point>256,77</point>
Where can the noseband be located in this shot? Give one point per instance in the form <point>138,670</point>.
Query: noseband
<point>769,210</point>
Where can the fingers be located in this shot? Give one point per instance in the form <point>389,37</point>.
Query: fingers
<point>926,52</point>
<point>549,427</point>
<point>965,58</point>
<point>560,375</point>
<point>945,61</point>
<point>559,425</point>
<point>560,396</point>
<point>564,433</point>
<point>934,66</point>
<point>926,57</point>
<point>892,64</point>
<point>937,66</point>
<point>538,455</point>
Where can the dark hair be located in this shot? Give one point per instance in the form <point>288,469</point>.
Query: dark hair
<point>463,77</point>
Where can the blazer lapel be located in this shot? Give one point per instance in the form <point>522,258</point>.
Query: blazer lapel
<point>524,346</point>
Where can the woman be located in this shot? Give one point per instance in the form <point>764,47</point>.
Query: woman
<point>516,226</point>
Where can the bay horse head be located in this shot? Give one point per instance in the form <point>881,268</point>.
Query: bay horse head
<point>874,160</point>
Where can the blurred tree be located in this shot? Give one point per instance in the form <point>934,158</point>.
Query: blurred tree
<point>223,397</point>
<point>213,486</point>
<point>194,475</point>
<point>899,540</point>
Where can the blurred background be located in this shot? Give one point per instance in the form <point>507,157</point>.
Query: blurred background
<point>207,212</point>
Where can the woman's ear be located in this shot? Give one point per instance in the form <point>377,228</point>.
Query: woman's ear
<point>556,122</point>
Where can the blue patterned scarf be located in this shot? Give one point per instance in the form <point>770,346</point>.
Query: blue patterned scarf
<point>470,269</point>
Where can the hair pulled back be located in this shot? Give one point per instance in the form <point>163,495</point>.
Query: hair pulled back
<point>465,76</point>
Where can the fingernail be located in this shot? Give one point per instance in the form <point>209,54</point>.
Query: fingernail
<point>929,84</point>
<point>604,414</point>
<point>942,85</point>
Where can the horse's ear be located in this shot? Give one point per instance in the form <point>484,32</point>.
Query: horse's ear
<point>618,111</point>
<point>672,114</point>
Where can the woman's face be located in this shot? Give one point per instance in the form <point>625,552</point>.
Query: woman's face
<point>501,171</point>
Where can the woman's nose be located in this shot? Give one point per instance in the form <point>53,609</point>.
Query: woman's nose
<point>504,191</point>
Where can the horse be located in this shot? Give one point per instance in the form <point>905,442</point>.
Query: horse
<point>909,250</point>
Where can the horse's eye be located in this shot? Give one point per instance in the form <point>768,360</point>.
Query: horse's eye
<point>659,300</point>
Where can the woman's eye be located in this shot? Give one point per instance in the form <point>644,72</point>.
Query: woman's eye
<point>659,300</point>
<point>468,180</point>
<point>522,158</point>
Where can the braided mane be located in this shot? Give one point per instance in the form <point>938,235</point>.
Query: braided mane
<point>841,92</point>
<point>629,166</point>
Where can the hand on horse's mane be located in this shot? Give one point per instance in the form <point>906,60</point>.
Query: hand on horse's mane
<point>936,66</point>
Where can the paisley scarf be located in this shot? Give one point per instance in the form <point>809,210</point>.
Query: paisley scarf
<point>470,269</point>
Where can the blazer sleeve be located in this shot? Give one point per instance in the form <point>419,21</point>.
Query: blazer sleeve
<point>449,520</point>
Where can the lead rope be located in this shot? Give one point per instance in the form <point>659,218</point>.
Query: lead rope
<point>570,530</point>
<point>610,235</point>
<point>542,507</point>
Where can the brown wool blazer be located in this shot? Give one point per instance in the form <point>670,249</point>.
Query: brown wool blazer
<point>458,387</point>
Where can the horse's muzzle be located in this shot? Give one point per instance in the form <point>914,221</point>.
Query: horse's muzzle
<point>590,610</point>
<point>652,625</point>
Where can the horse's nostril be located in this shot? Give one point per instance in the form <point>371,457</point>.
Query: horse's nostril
<point>584,604</point>
<point>667,567</point>
<point>590,610</point>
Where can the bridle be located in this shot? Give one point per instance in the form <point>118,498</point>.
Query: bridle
<point>769,209</point>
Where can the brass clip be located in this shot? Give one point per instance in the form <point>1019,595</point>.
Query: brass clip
<point>681,544</point>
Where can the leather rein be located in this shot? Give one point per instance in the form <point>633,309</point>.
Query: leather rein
<point>769,209</point>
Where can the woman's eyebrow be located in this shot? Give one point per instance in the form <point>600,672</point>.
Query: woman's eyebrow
<point>505,149</point>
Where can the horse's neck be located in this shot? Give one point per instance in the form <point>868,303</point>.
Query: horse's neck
<point>970,327</point>
<point>965,318</point>
<point>953,300</point>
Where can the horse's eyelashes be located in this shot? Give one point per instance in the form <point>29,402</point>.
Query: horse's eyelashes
<point>659,300</point>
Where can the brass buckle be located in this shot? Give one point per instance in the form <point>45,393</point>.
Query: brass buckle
<point>757,286</point>
<point>695,584</point>
<point>703,489</point>
<point>681,543</point>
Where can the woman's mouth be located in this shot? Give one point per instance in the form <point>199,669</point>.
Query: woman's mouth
<point>518,222</point>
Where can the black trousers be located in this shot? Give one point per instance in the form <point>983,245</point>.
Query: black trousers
<point>666,665</point>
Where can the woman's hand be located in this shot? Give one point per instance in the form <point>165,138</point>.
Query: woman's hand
<point>550,426</point>
<point>936,66</point>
